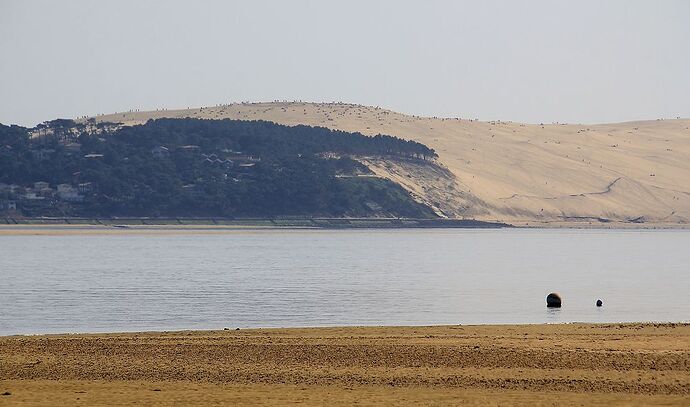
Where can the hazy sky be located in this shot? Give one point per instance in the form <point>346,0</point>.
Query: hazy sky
<point>534,61</point>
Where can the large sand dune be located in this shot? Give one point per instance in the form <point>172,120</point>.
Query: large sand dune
<point>518,173</point>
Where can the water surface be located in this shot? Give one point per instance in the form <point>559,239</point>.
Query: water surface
<point>290,278</point>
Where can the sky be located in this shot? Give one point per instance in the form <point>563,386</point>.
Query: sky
<point>532,61</point>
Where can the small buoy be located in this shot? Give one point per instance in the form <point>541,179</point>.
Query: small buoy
<point>553,300</point>
<point>600,303</point>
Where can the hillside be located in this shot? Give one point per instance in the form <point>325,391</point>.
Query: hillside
<point>201,168</point>
<point>635,172</point>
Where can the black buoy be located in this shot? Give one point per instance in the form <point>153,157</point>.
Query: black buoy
<point>553,300</point>
<point>600,303</point>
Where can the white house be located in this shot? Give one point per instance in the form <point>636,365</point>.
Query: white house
<point>41,185</point>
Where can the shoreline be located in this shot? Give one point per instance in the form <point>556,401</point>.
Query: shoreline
<point>67,226</point>
<point>479,364</point>
<point>265,329</point>
<point>265,223</point>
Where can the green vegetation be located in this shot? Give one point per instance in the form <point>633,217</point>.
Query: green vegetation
<point>199,168</point>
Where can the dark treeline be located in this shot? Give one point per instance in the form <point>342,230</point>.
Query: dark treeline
<point>191,167</point>
<point>266,138</point>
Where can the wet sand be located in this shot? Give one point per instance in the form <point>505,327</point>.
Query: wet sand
<point>525,365</point>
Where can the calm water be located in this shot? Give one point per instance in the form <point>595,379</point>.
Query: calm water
<point>308,278</point>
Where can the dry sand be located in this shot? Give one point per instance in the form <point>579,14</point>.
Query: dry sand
<point>446,365</point>
<point>512,172</point>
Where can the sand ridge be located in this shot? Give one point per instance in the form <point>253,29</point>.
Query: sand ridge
<point>514,172</point>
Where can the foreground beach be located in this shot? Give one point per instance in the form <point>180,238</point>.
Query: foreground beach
<point>511,364</point>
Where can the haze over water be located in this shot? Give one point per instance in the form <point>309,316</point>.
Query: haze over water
<point>290,278</point>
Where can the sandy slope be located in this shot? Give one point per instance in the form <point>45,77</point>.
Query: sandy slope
<point>513,172</point>
<point>572,364</point>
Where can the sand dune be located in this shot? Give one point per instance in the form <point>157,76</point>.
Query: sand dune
<point>512,172</point>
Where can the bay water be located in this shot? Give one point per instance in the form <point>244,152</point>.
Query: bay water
<point>294,278</point>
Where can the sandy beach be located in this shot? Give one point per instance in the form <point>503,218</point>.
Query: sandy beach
<point>569,364</point>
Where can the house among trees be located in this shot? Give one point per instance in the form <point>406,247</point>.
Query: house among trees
<point>86,187</point>
<point>43,153</point>
<point>8,189</point>
<point>69,193</point>
<point>42,189</point>
<point>72,147</point>
<point>31,195</point>
<point>7,205</point>
<point>41,185</point>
